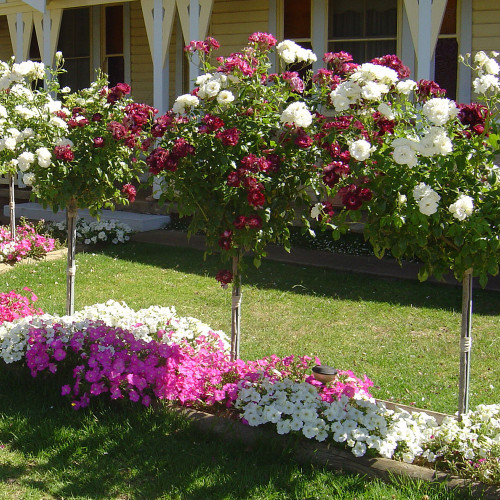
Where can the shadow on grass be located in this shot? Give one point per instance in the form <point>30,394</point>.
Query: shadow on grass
<point>312,280</point>
<point>125,451</point>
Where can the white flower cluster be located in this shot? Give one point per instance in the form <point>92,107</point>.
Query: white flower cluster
<point>362,424</point>
<point>370,82</point>
<point>215,86</point>
<point>462,208</point>
<point>361,149</point>
<point>183,102</point>
<point>90,233</point>
<point>434,142</point>
<point>19,72</point>
<point>440,110</point>
<point>487,69</point>
<point>291,53</point>
<point>427,198</point>
<point>144,324</point>
<point>296,114</point>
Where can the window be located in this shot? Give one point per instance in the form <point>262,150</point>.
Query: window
<point>446,54</point>
<point>114,61</point>
<point>74,43</point>
<point>364,28</point>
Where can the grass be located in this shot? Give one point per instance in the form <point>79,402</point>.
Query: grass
<point>402,334</point>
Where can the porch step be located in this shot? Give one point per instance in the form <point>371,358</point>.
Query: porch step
<point>138,222</point>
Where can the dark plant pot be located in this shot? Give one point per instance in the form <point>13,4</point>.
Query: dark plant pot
<point>324,373</point>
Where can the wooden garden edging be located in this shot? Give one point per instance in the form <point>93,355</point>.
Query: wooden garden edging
<point>328,455</point>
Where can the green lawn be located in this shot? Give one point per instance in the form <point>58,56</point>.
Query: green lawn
<point>404,335</point>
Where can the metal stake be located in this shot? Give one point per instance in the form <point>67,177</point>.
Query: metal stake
<point>12,206</point>
<point>465,343</point>
<point>235,311</point>
<point>71,212</point>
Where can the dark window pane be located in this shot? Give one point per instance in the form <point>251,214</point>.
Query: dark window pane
<point>345,19</point>
<point>77,76</point>
<point>116,70</point>
<point>114,29</point>
<point>446,65</point>
<point>297,21</point>
<point>74,37</point>
<point>449,24</point>
<point>34,54</point>
<point>382,19</point>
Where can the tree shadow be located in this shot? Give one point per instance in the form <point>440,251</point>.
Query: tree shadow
<point>309,280</point>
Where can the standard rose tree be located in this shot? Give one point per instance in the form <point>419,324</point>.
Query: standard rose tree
<point>90,155</point>
<point>239,153</point>
<point>421,167</point>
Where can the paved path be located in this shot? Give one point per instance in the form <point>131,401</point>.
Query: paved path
<point>386,267</point>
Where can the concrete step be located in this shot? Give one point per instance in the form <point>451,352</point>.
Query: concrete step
<point>138,222</point>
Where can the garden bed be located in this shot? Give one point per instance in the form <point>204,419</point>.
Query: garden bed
<point>332,457</point>
<point>54,255</point>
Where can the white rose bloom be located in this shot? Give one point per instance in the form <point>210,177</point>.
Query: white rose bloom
<point>361,150</point>
<point>402,199</point>
<point>298,114</point>
<point>486,83</point>
<point>462,208</point>
<point>28,133</point>
<point>368,72</point>
<point>184,101</point>
<point>44,157</point>
<point>404,155</point>
<point>288,56</point>
<point>24,112</point>
<point>225,97</point>
<point>428,205</point>
<point>440,110</point>
<point>406,87</point>
<point>421,190</point>
<point>373,91</point>
<point>65,90</point>
<point>316,211</point>
<point>202,79</point>
<point>29,178</point>
<point>3,111</point>
<point>53,106</point>
<point>386,110</point>
<point>340,101</point>
<point>287,50</point>
<point>491,67</point>
<point>58,122</point>
<point>10,143</point>
<point>211,88</point>
<point>21,91</point>
<point>24,160</point>
<point>481,58</point>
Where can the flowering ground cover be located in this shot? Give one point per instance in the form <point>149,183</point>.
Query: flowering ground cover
<point>27,243</point>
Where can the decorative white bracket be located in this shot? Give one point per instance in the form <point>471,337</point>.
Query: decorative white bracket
<point>205,12</point>
<point>425,18</point>
<point>20,29</point>
<point>47,26</point>
<point>39,5</point>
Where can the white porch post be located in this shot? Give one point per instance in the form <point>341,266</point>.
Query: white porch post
<point>272,27</point>
<point>424,39</point>
<point>20,28</point>
<point>465,47</point>
<point>319,31</point>
<point>160,69</point>
<point>407,49</point>
<point>194,20</point>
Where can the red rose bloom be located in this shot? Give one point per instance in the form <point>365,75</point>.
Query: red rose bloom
<point>229,137</point>
<point>118,131</point>
<point>256,198</point>
<point>64,153</point>
<point>98,142</point>
<point>130,191</point>
<point>224,277</point>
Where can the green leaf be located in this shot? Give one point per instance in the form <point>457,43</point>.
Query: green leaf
<point>257,262</point>
<point>423,274</point>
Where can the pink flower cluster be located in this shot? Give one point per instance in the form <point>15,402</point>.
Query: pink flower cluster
<point>14,305</point>
<point>109,360</point>
<point>27,243</point>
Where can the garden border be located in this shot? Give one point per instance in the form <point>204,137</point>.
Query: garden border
<point>328,455</point>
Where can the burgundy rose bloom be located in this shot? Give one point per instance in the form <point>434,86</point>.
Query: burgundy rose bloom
<point>182,148</point>
<point>117,92</point>
<point>251,183</point>
<point>233,179</point>
<point>212,123</point>
<point>96,117</point>
<point>64,153</point>
<point>264,40</point>
<point>61,114</point>
<point>131,142</point>
<point>146,143</point>
<point>229,137</point>
<point>224,277</point>
<point>240,222</point>
<point>226,240</point>
<point>353,196</point>
<point>323,77</point>
<point>130,191</point>
<point>159,160</point>
<point>302,140</point>
<point>82,122</point>
<point>334,171</point>
<point>72,123</point>
<point>275,162</point>
<point>118,131</point>
<point>385,126</point>
<point>98,142</point>
<point>473,116</point>
<point>138,115</point>
<point>427,89</point>
<point>77,110</point>
<point>256,198</point>
<point>254,222</point>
